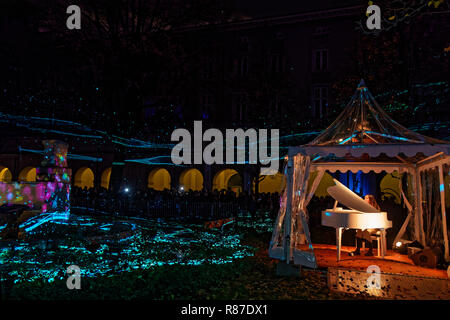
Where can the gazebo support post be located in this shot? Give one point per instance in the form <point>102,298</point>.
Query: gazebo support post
<point>402,230</point>
<point>288,215</point>
<point>444,218</point>
<point>418,221</point>
<point>286,268</point>
<point>400,234</point>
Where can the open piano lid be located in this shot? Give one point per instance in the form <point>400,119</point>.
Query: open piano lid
<point>348,198</point>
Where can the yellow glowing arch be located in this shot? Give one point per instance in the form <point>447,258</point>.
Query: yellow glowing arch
<point>389,186</point>
<point>106,176</point>
<point>28,174</point>
<point>227,178</point>
<point>191,179</point>
<point>159,179</point>
<point>84,178</point>
<point>327,181</point>
<point>273,183</point>
<point>5,175</point>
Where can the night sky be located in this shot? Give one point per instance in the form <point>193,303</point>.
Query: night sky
<point>181,62</point>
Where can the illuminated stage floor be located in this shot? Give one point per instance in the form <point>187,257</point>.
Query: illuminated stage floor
<point>393,262</point>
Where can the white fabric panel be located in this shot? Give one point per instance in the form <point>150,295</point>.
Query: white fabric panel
<point>276,253</point>
<point>276,249</point>
<point>301,237</point>
<point>302,167</point>
<point>314,186</point>
<point>402,230</point>
<point>374,150</point>
<point>354,167</point>
<point>433,164</point>
<point>304,258</point>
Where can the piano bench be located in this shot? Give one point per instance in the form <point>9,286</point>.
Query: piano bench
<point>374,237</point>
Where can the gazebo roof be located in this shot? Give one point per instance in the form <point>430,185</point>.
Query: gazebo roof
<point>363,121</point>
<point>364,127</point>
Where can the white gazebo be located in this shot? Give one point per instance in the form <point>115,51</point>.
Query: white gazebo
<point>364,138</point>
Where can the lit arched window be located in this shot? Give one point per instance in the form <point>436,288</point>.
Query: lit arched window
<point>227,179</point>
<point>106,176</point>
<point>159,179</point>
<point>28,174</point>
<point>5,175</point>
<point>191,179</point>
<point>84,178</point>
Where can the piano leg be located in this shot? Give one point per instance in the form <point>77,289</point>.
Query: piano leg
<point>383,243</point>
<point>338,242</point>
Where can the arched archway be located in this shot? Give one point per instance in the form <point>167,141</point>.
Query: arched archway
<point>389,186</point>
<point>159,179</point>
<point>327,181</point>
<point>5,175</point>
<point>84,177</point>
<point>227,179</point>
<point>272,183</point>
<point>106,176</point>
<point>28,174</point>
<point>191,179</point>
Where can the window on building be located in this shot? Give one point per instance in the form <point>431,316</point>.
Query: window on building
<point>279,41</point>
<point>321,30</point>
<point>243,66</point>
<point>280,35</point>
<point>320,101</point>
<point>243,43</point>
<point>209,60</point>
<point>320,60</point>
<point>241,106</point>
<point>275,63</point>
<point>207,105</point>
<point>207,68</point>
<point>274,103</point>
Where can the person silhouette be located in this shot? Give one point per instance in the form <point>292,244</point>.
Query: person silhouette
<point>365,235</point>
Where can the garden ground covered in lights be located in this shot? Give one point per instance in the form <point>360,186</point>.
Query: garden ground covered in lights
<point>86,118</point>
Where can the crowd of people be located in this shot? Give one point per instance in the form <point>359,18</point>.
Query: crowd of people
<point>150,202</point>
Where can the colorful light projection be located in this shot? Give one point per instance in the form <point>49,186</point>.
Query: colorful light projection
<point>51,191</point>
<point>30,194</point>
<point>55,177</point>
<point>56,197</point>
<point>55,153</point>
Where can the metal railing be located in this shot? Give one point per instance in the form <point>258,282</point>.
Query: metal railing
<point>158,208</point>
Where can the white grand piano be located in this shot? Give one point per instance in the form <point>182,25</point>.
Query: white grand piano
<point>361,215</point>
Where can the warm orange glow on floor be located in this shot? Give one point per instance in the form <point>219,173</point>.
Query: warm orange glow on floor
<point>393,262</point>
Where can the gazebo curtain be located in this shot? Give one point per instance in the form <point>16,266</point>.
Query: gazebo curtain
<point>431,207</point>
<point>301,210</point>
<point>276,243</point>
<point>301,196</point>
<point>408,193</point>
